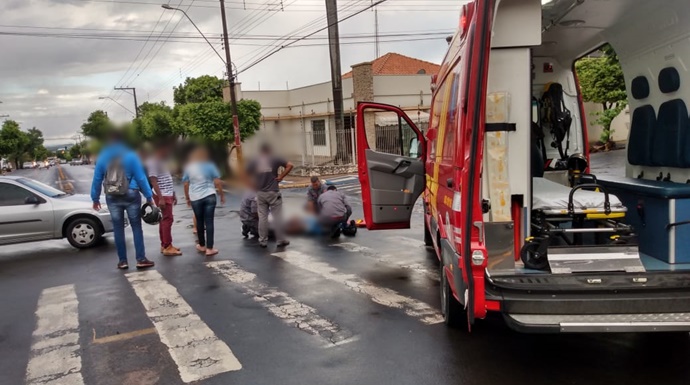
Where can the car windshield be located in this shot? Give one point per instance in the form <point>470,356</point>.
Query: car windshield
<point>42,188</point>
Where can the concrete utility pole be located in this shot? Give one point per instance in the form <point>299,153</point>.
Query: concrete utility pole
<point>336,76</point>
<point>134,93</point>
<point>231,81</point>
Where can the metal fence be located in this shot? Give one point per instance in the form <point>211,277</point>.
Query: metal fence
<point>320,144</point>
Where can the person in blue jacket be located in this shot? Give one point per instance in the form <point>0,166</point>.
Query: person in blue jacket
<point>130,202</point>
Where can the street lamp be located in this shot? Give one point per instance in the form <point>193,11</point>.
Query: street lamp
<point>231,75</point>
<point>116,102</point>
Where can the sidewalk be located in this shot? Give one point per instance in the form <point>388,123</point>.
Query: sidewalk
<point>294,182</point>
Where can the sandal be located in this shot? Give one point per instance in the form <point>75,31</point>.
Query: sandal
<point>200,249</point>
<point>211,252</point>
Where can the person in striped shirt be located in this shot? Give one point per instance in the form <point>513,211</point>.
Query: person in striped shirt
<point>162,185</point>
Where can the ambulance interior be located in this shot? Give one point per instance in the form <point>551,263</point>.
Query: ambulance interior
<point>544,213</point>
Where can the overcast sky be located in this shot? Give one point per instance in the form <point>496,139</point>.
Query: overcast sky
<point>53,78</point>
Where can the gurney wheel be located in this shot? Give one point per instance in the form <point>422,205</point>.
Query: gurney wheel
<point>532,258</point>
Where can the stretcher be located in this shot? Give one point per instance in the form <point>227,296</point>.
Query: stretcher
<point>577,229</point>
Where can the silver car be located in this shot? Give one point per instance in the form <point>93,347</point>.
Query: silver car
<point>33,211</point>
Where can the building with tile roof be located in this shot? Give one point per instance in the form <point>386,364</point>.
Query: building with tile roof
<point>301,120</point>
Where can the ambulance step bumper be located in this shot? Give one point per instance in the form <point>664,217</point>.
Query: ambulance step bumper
<point>599,323</point>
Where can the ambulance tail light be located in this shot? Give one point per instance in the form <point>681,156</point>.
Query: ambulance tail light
<point>465,17</point>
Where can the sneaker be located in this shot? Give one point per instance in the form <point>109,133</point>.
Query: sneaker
<point>123,266</point>
<point>171,251</point>
<point>263,245</point>
<point>336,231</point>
<point>283,243</point>
<point>145,264</point>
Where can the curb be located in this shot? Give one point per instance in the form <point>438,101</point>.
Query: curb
<point>294,185</point>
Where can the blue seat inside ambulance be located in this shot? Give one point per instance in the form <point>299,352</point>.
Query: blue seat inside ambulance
<point>661,141</point>
<point>670,131</point>
<point>641,125</point>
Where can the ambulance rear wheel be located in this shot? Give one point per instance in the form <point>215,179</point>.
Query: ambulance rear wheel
<point>428,241</point>
<point>454,314</point>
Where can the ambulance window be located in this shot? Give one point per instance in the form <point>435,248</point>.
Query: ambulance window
<point>393,134</point>
<point>451,118</point>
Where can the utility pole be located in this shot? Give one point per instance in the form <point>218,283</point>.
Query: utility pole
<point>231,82</point>
<point>134,93</point>
<point>336,74</point>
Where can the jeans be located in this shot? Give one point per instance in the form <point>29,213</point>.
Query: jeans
<point>131,204</point>
<point>204,211</point>
<point>165,227</point>
<point>270,201</point>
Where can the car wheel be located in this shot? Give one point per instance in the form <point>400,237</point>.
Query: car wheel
<point>83,233</point>
<point>454,315</point>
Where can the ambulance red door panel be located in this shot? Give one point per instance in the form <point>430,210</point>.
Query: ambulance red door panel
<point>390,159</point>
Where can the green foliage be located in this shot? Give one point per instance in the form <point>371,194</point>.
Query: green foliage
<point>203,89</point>
<point>249,115</point>
<point>75,151</point>
<point>34,146</point>
<point>97,125</point>
<point>155,122</point>
<point>209,121</point>
<point>602,81</point>
<point>13,142</point>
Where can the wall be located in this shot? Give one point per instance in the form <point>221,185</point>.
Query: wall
<point>620,125</point>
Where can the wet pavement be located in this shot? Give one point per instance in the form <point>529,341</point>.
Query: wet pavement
<point>360,310</point>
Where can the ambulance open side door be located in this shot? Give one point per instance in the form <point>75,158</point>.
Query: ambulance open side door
<point>390,159</point>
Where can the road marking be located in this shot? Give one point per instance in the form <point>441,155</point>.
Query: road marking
<point>413,242</point>
<point>196,350</point>
<point>281,305</point>
<point>121,336</point>
<point>381,295</point>
<point>417,268</point>
<point>55,348</point>
<point>350,188</point>
<point>342,179</point>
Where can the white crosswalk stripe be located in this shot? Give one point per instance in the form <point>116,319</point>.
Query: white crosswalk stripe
<point>383,296</point>
<point>350,188</point>
<point>281,305</point>
<point>196,350</point>
<point>55,357</point>
<point>389,260</point>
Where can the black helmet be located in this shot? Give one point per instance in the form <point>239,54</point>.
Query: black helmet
<point>151,214</point>
<point>577,163</point>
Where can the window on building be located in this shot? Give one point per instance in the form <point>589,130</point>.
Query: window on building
<point>318,131</point>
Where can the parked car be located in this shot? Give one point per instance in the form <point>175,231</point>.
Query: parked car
<point>76,162</point>
<point>33,211</point>
<point>28,165</point>
<point>63,161</point>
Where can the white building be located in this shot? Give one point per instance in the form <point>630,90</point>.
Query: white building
<point>301,120</point>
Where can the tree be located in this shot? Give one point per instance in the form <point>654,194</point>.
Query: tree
<point>34,146</point>
<point>602,81</point>
<point>155,121</point>
<point>13,142</point>
<point>75,151</point>
<point>203,89</point>
<point>209,121</point>
<point>97,125</point>
<point>249,115</point>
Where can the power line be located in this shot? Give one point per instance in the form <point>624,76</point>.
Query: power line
<point>311,34</point>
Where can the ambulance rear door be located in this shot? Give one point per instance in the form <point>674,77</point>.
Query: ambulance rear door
<point>390,159</point>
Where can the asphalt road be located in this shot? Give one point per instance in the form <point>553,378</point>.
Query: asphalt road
<point>360,310</point>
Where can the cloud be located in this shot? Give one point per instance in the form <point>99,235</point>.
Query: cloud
<point>54,82</point>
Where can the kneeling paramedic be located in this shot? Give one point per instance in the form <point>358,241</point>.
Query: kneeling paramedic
<point>249,215</point>
<point>334,211</point>
<point>120,173</point>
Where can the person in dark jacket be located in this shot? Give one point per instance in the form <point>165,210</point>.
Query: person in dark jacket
<point>130,203</point>
<point>313,193</point>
